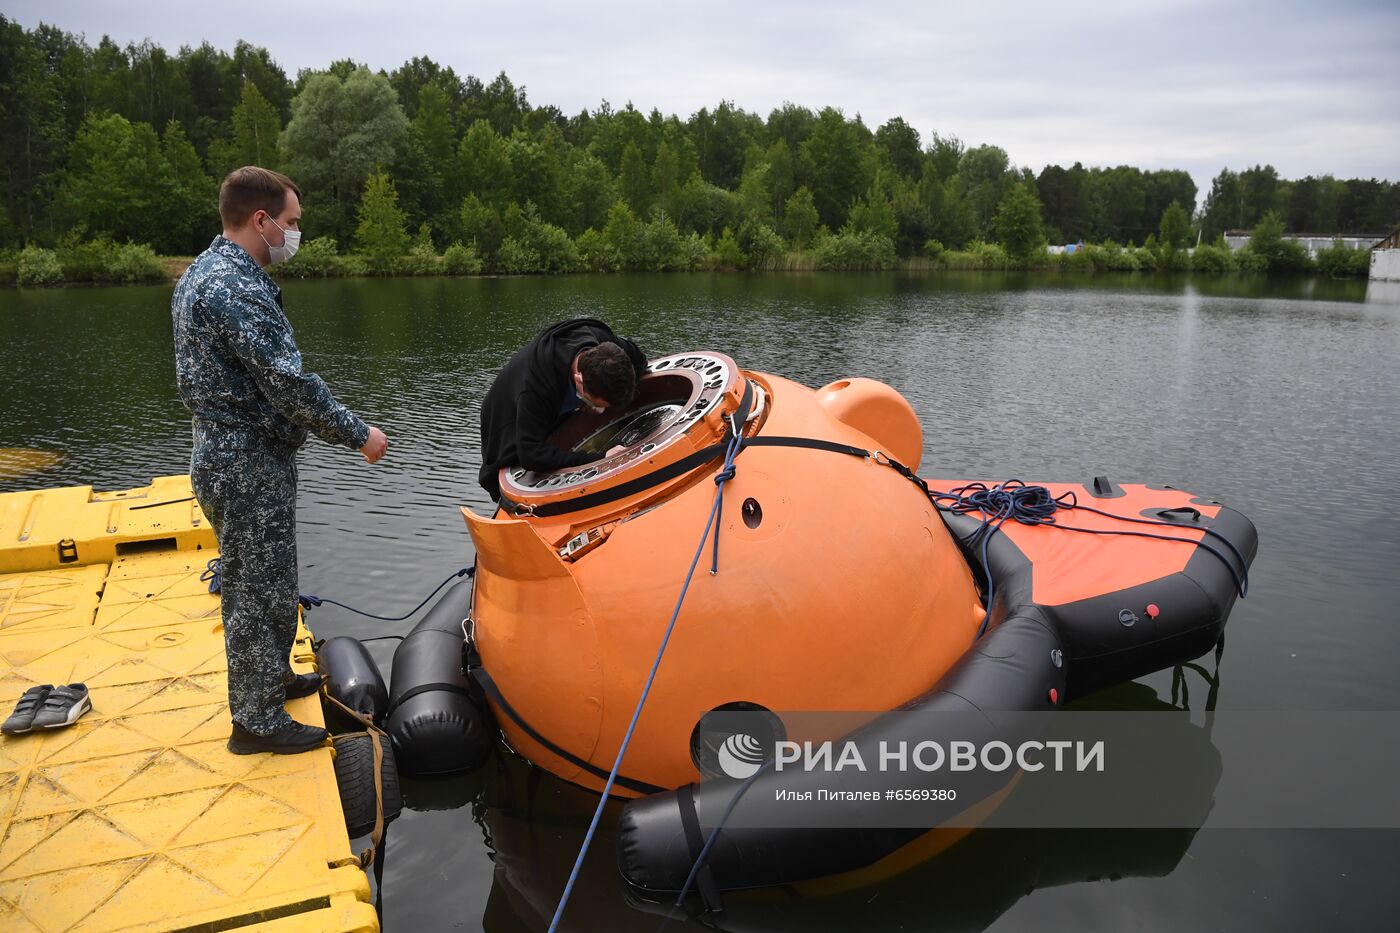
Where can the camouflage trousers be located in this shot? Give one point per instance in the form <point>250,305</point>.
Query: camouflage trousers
<point>250,497</point>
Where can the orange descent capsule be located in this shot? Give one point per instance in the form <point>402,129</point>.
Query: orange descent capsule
<point>838,585</point>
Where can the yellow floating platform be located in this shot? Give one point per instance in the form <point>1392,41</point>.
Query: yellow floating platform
<point>136,817</point>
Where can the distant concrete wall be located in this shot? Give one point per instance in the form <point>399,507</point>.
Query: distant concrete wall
<point>1311,243</point>
<point>1385,265</point>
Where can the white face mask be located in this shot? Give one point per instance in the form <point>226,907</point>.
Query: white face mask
<point>291,241</point>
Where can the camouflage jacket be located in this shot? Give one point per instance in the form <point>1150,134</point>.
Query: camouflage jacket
<point>237,366</point>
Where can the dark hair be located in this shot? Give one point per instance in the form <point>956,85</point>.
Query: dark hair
<point>250,189</point>
<point>608,374</point>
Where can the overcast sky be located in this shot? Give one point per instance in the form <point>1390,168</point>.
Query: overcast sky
<point>1311,88</point>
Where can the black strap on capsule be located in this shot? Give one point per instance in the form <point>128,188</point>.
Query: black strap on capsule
<point>492,691</point>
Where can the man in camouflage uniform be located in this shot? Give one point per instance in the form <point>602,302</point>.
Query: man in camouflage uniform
<point>240,374</point>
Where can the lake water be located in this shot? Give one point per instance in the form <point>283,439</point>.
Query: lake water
<point>1280,399</point>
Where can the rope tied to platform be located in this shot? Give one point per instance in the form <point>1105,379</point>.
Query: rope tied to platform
<point>376,737</point>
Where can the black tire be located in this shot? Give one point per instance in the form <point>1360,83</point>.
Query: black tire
<point>354,775</point>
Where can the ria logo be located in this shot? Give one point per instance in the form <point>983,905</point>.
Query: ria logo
<point>741,756</point>
<point>735,741</point>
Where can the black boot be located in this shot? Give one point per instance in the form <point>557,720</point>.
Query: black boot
<point>289,740</point>
<point>303,685</point>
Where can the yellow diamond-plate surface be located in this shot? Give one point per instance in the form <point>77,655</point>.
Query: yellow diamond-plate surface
<point>137,816</point>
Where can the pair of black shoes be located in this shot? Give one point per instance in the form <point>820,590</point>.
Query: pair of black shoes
<point>48,707</point>
<point>291,739</point>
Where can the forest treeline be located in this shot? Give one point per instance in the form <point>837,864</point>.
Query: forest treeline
<point>110,149</point>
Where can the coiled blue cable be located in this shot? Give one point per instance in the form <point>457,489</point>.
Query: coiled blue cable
<point>1013,500</point>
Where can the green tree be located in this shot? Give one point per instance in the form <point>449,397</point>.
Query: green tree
<point>782,175</point>
<point>944,154</point>
<point>764,248</point>
<point>155,93</point>
<point>536,167</point>
<point>632,179</point>
<point>790,125</point>
<point>499,103</point>
<point>614,131</point>
<point>665,176</point>
<point>1262,192</point>
<point>899,142</point>
<point>726,253</point>
<point>1273,252</point>
<point>1175,229</point>
<point>588,192</point>
<point>109,79</point>
<point>484,161</point>
<point>913,219</point>
<point>256,128</point>
<point>1065,199</point>
<point>721,138</point>
<point>412,76</point>
<point>250,63</point>
<point>873,214</point>
<point>1314,205</point>
<point>755,199</point>
<point>194,216</point>
<point>380,232</point>
<point>340,130</point>
<point>835,165</point>
<point>423,239</point>
<point>800,218</point>
<point>622,235</point>
<point>704,208</point>
<point>1224,207</point>
<point>118,184</point>
<point>482,226</point>
<point>1163,186</point>
<point>1018,223</point>
<point>983,179</point>
<point>34,128</point>
<point>437,137</point>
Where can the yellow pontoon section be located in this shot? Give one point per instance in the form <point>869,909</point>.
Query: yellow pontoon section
<point>136,816</point>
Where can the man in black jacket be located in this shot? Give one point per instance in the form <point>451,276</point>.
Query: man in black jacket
<point>573,363</point>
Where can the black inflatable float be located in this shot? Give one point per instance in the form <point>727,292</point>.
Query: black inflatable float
<point>534,824</point>
<point>353,678</point>
<point>437,723</point>
<point>1033,657</point>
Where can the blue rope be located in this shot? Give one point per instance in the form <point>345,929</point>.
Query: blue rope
<point>1241,575</point>
<point>213,575</point>
<point>725,474</point>
<point>714,833</point>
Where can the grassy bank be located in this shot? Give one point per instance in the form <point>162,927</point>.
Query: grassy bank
<point>103,262</point>
<point>97,262</point>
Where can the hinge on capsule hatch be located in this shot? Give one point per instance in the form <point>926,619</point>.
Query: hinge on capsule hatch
<point>583,542</point>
